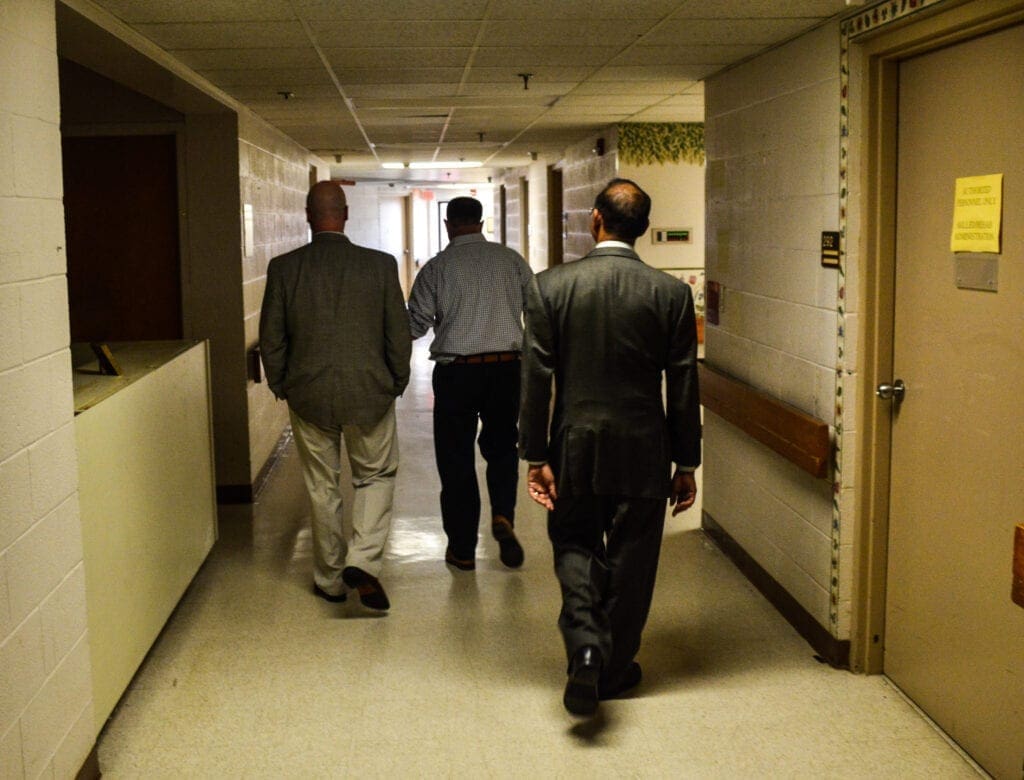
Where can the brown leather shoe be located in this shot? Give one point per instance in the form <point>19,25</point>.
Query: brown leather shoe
<point>321,593</point>
<point>371,592</point>
<point>459,563</point>
<point>511,551</point>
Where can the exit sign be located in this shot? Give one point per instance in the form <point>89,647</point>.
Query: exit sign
<point>671,235</point>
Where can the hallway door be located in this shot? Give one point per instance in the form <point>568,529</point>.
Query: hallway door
<point>954,640</point>
<point>121,214</point>
<point>394,238</point>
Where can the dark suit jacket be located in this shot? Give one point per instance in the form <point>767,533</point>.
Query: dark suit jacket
<point>605,328</point>
<point>334,332</point>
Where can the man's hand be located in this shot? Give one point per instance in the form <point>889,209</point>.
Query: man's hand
<point>540,481</point>
<point>684,492</point>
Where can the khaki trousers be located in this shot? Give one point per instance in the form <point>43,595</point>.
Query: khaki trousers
<point>373,459</point>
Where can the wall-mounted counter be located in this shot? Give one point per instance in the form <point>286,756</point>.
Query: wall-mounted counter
<point>147,497</point>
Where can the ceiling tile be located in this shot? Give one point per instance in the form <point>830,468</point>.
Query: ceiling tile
<point>395,34</point>
<point>334,10</point>
<point>540,77</point>
<point>683,55</point>
<point>583,10</point>
<point>754,9</point>
<point>407,76</point>
<point>248,59</point>
<point>407,57</point>
<point>139,11</point>
<point>226,35</point>
<point>670,114</point>
<point>421,73</point>
<point>270,78</point>
<point>560,32</point>
<point>686,32</point>
<point>623,75</point>
<point>541,56</point>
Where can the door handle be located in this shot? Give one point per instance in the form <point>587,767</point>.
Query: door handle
<point>893,392</point>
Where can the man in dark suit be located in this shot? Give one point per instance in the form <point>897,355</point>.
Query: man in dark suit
<point>607,328</point>
<point>334,335</point>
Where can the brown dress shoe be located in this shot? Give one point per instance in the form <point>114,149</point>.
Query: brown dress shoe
<point>321,593</point>
<point>371,592</point>
<point>463,564</point>
<point>511,551</point>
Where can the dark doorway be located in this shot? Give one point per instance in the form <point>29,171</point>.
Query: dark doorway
<point>556,218</point>
<point>121,214</point>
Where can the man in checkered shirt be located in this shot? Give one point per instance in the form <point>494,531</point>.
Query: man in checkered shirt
<point>472,294</point>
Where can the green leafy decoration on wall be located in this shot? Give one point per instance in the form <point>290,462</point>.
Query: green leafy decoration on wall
<point>661,142</point>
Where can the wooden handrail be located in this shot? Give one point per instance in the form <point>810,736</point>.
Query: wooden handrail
<point>796,436</point>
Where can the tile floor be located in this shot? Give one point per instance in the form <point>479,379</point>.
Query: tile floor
<point>254,677</point>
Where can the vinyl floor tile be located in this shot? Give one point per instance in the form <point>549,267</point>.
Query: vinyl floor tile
<point>255,677</point>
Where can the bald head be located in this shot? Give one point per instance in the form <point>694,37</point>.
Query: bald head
<point>621,212</point>
<point>326,208</point>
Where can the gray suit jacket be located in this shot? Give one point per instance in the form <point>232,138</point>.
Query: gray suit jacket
<point>334,332</point>
<point>605,328</point>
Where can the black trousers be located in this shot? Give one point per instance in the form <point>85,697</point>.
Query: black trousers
<point>463,395</point>
<point>606,559</point>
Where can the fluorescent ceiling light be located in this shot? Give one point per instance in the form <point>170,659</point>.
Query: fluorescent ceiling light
<point>431,166</point>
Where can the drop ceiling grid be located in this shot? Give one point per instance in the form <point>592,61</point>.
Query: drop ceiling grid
<point>590,61</point>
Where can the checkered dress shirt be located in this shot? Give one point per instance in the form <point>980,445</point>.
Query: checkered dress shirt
<point>472,294</point>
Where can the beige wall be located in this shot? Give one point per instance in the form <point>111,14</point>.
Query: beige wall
<point>45,686</point>
<point>273,174</point>
<point>677,201</point>
<point>772,188</point>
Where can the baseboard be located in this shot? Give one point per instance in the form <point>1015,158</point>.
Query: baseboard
<point>831,650</point>
<point>246,494</point>
<point>91,767</point>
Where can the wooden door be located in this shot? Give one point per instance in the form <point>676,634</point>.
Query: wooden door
<point>954,640</point>
<point>121,214</point>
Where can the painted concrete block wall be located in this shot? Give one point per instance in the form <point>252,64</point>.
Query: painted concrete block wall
<point>363,226</point>
<point>273,174</point>
<point>512,212</point>
<point>584,175</point>
<point>772,133</point>
<point>45,683</point>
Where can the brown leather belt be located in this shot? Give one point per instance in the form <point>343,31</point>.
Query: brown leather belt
<point>486,357</point>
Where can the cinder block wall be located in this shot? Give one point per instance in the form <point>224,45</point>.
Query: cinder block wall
<point>772,129</point>
<point>46,720</point>
<point>273,174</point>
<point>584,175</point>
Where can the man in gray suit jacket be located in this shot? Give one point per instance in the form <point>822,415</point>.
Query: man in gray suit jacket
<point>607,328</point>
<point>334,335</point>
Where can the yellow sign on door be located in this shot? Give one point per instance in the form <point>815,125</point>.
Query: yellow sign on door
<point>977,210</point>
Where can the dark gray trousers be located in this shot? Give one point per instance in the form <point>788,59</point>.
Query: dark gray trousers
<point>606,552</point>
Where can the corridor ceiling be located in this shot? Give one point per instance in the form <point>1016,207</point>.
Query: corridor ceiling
<point>420,81</point>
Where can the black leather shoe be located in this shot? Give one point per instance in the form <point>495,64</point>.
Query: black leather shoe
<point>318,591</point>
<point>581,695</point>
<point>626,682</point>
<point>511,551</point>
<point>371,593</point>
<point>463,564</point>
